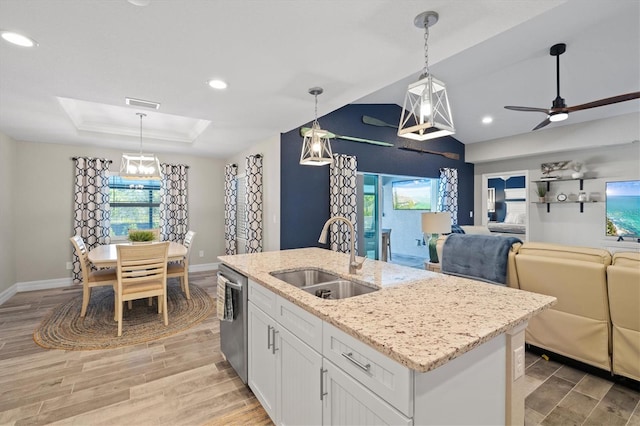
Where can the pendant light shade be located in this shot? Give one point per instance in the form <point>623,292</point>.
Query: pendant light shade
<point>426,113</point>
<point>140,166</point>
<point>316,146</point>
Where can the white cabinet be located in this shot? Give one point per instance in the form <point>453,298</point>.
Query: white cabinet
<point>262,360</point>
<point>385,377</point>
<point>284,372</point>
<point>348,402</point>
<point>298,381</point>
<point>310,372</point>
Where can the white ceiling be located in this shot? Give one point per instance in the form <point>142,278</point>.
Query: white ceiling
<point>490,53</point>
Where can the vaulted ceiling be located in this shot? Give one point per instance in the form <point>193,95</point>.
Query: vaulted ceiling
<point>92,54</point>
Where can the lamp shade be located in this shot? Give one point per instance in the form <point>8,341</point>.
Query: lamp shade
<point>316,147</point>
<point>426,113</point>
<point>436,223</point>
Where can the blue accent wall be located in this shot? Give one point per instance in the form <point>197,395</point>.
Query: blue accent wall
<point>304,205</point>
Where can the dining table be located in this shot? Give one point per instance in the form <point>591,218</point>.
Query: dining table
<point>106,255</point>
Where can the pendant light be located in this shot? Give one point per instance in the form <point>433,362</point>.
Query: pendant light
<point>140,166</point>
<point>426,113</point>
<point>316,147</point>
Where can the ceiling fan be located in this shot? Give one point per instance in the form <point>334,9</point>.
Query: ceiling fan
<point>559,110</point>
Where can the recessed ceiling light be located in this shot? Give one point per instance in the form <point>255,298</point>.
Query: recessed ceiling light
<point>217,84</point>
<point>139,2</point>
<point>18,39</point>
<point>487,120</point>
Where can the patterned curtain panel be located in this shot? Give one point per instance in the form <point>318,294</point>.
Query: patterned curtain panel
<point>90,205</point>
<point>174,214</point>
<point>230,201</point>
<point>253,198</point>
<point>448,193</point>
<point>342,175</point>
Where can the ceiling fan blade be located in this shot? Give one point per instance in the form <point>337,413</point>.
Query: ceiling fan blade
<point>606,101</point>
<point>528,109</point>
<point>542,124</point>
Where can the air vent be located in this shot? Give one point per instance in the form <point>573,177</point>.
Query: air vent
<point>142,104</point>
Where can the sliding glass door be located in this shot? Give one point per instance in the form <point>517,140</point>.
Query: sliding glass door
<point>370,216</point>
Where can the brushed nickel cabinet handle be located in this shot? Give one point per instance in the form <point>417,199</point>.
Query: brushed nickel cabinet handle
<point>349,356</point>
<point>322,392</point>
<point>273,345</point>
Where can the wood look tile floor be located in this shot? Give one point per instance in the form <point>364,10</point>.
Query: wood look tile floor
<point>184,380</point>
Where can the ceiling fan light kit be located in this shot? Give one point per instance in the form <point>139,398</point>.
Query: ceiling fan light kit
<point>426,113</point>
<point>559,110</point>
<point>316,145</point>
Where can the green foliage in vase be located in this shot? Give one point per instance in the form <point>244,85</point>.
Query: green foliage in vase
<point>541,189</point>
<point>141,235</point>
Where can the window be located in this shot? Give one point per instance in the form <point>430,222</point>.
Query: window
<point>135,204</point>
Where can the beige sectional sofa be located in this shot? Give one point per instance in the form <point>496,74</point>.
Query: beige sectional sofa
<point>578,325</point>
<point>597,317</point>
<point>623,277</point>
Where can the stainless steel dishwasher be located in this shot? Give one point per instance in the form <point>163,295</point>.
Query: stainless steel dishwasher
<point>233,334</point>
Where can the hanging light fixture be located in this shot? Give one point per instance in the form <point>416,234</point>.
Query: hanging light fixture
<point>316,147</point>
<point>426,113</point>
<point>140,166</point>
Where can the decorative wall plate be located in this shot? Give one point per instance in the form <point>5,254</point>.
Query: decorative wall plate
<point>562,197</point>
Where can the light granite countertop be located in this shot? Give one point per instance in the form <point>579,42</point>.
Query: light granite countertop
<point>419,318</point>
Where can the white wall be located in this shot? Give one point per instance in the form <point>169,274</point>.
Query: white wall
<point>405,225</point>
<point>43,185</point>
<point>564,224</point>
<point>7,197</point>
<point>270,150</point>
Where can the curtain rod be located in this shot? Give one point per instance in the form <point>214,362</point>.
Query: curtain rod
<point>92,158</point>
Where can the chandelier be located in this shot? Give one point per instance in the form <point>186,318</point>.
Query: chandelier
<point>140,166</point>
<point>426,113</point>
<point>316,147</point>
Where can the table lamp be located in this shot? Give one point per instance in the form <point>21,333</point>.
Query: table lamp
<point>434,223</point>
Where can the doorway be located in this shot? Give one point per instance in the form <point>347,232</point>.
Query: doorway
<point>390,209</point>
<point>505,208</point>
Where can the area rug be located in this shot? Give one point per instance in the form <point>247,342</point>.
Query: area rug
<point>65,329</point>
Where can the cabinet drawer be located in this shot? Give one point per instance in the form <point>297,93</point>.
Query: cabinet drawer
<point>305,326</point>
<point>385,377</point>
<point>263,298</point>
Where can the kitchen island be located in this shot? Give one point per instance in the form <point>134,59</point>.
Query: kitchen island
<point>433,348</point>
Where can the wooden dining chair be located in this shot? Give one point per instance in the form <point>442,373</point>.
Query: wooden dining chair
<point>90,278</point>
<point>142,273</point>
<point>181,269</point>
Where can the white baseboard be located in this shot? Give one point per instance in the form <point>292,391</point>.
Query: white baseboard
<point>204,267</point>
<point>68,282</point>
<point>44,284</point>
<point>6,295</point>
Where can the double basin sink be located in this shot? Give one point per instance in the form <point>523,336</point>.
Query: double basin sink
<point>323,284</point>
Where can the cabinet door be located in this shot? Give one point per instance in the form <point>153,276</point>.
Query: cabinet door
<point>299,369</point>
<point>262,360</point>
<point>348,402</point>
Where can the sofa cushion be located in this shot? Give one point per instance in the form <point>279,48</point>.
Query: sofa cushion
<point>629,259</point>
<point>567,252</point>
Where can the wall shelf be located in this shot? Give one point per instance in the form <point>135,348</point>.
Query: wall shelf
<point>549,202</point>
